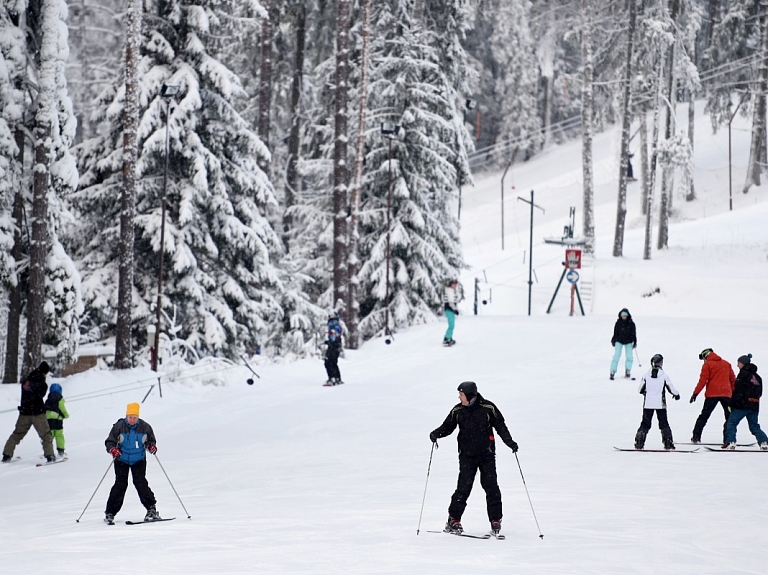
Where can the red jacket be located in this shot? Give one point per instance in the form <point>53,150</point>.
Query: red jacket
<point>717,376</point>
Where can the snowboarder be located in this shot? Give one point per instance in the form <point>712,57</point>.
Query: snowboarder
<point>333,341</point>
<point>32,414</point>
<point>56,414</point>
<point>745,402</point>
<point>476,418</point>
<point>450,305</point>
<point>717,376</point>
<point>624,337</point>
<point>654,385</point>
<point>128,442</point>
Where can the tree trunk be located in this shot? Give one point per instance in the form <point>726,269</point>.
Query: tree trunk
<point>38,248</point>
<point>11,371</point>
<point>758,115</point>
<point>654,161</point>
<point>292,171</point>
<point>265,75</point>
<point>621,204</point>
<point>586,126</point>
<point>340,201</point>
<point>353,305</point>
<point>85,76</point>
<point>128,196</point>
<point>691,195</point>
<point>644,175</point>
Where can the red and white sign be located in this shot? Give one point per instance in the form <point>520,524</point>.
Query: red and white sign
<point>573,259</point>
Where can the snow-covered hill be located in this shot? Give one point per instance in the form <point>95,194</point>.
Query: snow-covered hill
<point>286,476</point>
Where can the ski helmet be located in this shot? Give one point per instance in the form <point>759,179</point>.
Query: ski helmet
<point>55,388</point>
<point>657,360</point>
<point>468,388</point>
<point>705,352</point>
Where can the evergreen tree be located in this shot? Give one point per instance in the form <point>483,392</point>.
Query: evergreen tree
<point>219,245</point>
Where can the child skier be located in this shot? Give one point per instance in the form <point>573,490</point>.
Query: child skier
<point>745,402</point>
<point>333,351</point>
<point>56,414</point>
<point>653,386</point>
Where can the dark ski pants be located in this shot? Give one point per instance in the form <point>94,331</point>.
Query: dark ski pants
<point>645,427</point>
<point>467,470</point>
<point>709,406</point>
<point>23,424</point>
<point>139,472</point>
<point>332,361</point>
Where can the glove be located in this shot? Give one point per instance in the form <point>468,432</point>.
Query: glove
<point>693,398</point>
<point>456,311</point>
<point>513,446</point>
<point>677,397</point>
<point>433,437</point>
<point>634,345</point>
<point>115,452</point>
<point>152,448</point>
<point>613,343</point>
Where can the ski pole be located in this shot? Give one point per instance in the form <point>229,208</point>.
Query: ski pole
<point>172,487</point>
<point>637,355</point>
<point>529,497</point>
<point>94,492</point>
<point>424,498</point>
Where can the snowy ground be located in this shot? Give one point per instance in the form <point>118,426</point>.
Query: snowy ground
<point>286,476</point>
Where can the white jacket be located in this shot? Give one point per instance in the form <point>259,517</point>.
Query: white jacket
<point>654,388</point>
<point>449,297</point>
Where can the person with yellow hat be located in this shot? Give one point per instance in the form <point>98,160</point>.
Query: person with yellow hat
<point>128,442</point>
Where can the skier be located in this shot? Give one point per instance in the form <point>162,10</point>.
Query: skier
<point>717,376</point>
<point>333,351</point>
<point>450,305</point>
<point>745,402</point>
<point>653,386</point>
<point>128,442</point>
<point>476,418</point>
<point>630,171</point>
<point>56,414</point>
<point>32,414</point>
<point>624,337</point>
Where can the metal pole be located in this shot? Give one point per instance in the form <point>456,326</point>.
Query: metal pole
<point>94,492</point>
<point>389,229</point>
<point>172,487</point>
<point>424,498</point>
<point>477,290</point>
<point>530,259</point>
<point>162,245</point>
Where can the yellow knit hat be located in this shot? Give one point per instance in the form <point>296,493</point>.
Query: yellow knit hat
<point>133,409</point>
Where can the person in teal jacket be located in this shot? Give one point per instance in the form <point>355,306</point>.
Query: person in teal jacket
<point>128,442</point>
<point>56,413</point>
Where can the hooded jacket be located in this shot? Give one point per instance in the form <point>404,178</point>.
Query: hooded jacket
<point>33,393</point>
<point>717,376</point>
<point>624,330</point>
<point>56,410</point>
<point>476,423</point>
<point>748,389</point>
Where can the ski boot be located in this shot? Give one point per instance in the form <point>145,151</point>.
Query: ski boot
<point>669,445</point>
<point>109,519</point>
<point>729,446</point>
<point>627,374</point>
<point>453,526</point>
<point>495,526</point>
<point>50,458</point>
<point>764,446</point>
<point>6,458</point>
<point>612,374</point>
<point>61,453</point>
<point>152,514</point>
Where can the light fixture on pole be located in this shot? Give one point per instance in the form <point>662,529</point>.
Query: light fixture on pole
<point>390,130</point>
<point>167,92</point>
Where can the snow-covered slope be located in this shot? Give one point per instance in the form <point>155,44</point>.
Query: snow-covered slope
<point>286,476</point>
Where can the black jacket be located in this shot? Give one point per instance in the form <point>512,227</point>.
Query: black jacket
<point>476,423</point>
<point>748,389</point>
<point>624,330</point>
<point>33,392</point>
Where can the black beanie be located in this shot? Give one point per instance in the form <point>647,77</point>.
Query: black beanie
<point>44,367</point>
<point>468,388</point>
<point>745,359</point>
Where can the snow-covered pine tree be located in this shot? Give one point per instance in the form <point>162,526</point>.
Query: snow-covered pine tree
<point>416,81</point>
<point>219,245</point>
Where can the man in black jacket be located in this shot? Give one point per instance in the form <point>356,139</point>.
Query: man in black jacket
<point>476,419</point>
<point>32,414</point>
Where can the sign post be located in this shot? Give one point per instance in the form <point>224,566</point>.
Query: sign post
<point>570,265</point>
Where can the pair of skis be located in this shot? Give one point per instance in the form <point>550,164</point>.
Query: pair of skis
<point>143,522</point>
<point>462,534</point>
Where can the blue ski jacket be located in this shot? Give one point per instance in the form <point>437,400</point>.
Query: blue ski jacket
<point>130,439</point>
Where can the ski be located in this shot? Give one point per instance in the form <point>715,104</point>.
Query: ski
<point>659,450</point>
<point>718,444</point>
<point>498,536</point>
<point>62,460</point>
<point>736,450</point>
<point>486,536</point>
<point>142,522</point>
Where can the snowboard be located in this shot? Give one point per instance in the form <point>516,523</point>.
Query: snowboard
<point>658,450</point>
<point>329,384</point>
<point>718,444</point>
<point>44,463</point>
<point>736,450</point>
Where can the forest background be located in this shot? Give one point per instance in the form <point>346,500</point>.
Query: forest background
<point>231,169</point>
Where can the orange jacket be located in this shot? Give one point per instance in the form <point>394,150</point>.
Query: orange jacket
<point>717,376</point>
